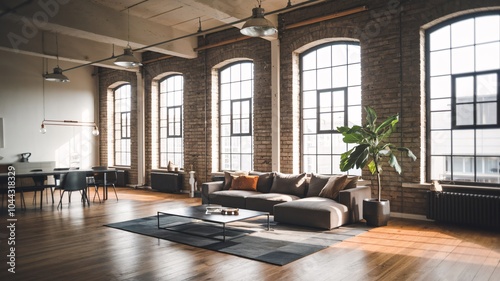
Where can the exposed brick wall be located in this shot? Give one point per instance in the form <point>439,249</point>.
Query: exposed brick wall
<point>390,36</point>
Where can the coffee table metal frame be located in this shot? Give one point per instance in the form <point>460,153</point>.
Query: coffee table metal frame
<point>200,213</point>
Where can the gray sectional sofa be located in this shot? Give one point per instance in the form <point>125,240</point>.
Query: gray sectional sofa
<point>293,198</point>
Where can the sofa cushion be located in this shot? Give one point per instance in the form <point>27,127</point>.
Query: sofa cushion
<point>333,187</point>
<point>228,179</point>
<point>244,183</point>
<point>316,184</point>
<point>316,212</point>
<point>231,198</point>
<point>293,184</point>
<point>265,202</point>
<point>265,181</point>
<point>351,182</point>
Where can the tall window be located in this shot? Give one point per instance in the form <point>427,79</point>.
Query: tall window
<point>463,73</point>
<point>236,116</point>
<point>171,121</point>
<point>122,98</point>
<point>331,97</point>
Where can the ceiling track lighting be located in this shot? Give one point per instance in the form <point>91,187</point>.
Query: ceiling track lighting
<point>43,130</point>
<point>258,25</point>
<point>57,75</point>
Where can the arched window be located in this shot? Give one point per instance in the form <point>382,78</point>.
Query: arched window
<point>236,116</point>
<point>171,97</point>
<point>330,97</point>
<point>463,78</point>
<point>122,101</point>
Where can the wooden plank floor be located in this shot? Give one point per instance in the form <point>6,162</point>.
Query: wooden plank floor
<point>72,244</point>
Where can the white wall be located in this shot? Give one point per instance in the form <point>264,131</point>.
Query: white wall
<point>22,107</point>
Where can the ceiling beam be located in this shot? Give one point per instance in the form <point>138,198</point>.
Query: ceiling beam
<point>86,20</point>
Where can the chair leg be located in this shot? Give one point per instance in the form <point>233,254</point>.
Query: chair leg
<point>23,203</point>
<point>96,189</point>
<point>60,200</point>
<point>114,189</point>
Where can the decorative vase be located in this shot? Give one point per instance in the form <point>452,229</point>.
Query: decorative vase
<point>376,213</point>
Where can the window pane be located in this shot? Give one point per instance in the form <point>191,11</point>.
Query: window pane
<point>440,105</point>
<point>354,77</point>
<point>441,120</point>
<point>440,63</point>
<point>324,81</point>
<point>487,88</point>
<point>440,39</point>
<point>440,142</point>
<point>325,57</point>
<point>439,168</point>
<point>310,144</point>
<point>339,53</point>
<point>487,29</point>
<point>488,56</point>
<point>486,114</point>
<point>465,114</point>
<point>463,142</point>
<point>462,33</point>
<point>339,78</point>
<point>309,80</point>
<point>488,169</point>
<point>309,61</point>
<point>465,89</point>
<point>354,54</point>
<point>462,60</point>
<point>354,95</point>
<point>441,87</point>
<point>487,142</point>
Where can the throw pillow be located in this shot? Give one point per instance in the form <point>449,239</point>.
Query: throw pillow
<point>333,187</point>
<point>265,181</point>
<point>316,184</point>
<point>228,178</point>
<point>293,184</point>
<point>351,182</point>
<point>244,183</point>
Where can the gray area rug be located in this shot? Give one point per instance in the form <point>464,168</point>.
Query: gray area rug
<point>280,245</point>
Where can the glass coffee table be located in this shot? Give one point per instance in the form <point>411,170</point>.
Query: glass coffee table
<point>213,216</point>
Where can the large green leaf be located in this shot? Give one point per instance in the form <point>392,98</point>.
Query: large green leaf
<point>393,162</point>
<point>349,159</point>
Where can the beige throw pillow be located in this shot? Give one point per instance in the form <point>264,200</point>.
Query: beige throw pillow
<point>333,187</point>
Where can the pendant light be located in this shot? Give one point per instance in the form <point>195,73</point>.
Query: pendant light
<point>258,25</point>
<point>57,75</point>
<point>127,60</point>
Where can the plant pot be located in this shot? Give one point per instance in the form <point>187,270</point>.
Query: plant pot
<point>376,213</point>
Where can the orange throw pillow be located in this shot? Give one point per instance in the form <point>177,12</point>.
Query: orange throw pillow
<point>244,183</point>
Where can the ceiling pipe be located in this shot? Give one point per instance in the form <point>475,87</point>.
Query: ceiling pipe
<point>295,25</point>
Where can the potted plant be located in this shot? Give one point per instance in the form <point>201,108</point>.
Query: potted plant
<point>372,146</point>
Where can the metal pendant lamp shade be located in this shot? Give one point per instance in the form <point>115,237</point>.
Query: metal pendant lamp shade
<point>127,59</point>
<point>56,76</point>
<point>257,25</point>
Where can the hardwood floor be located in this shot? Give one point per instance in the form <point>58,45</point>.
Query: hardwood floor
<point>72,244</point>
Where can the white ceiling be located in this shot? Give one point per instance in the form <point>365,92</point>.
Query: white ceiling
<point>92,30</point>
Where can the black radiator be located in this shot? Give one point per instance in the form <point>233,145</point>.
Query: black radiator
<point>167,182</point>
<point>463,208</point>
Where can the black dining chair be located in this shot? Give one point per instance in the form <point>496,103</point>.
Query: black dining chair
<point>39,185</point>
<point>110,180</point>
<point>57,182</point>
<point>74,181</point>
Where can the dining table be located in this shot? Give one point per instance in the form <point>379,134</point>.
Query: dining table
<point>42,173</point>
